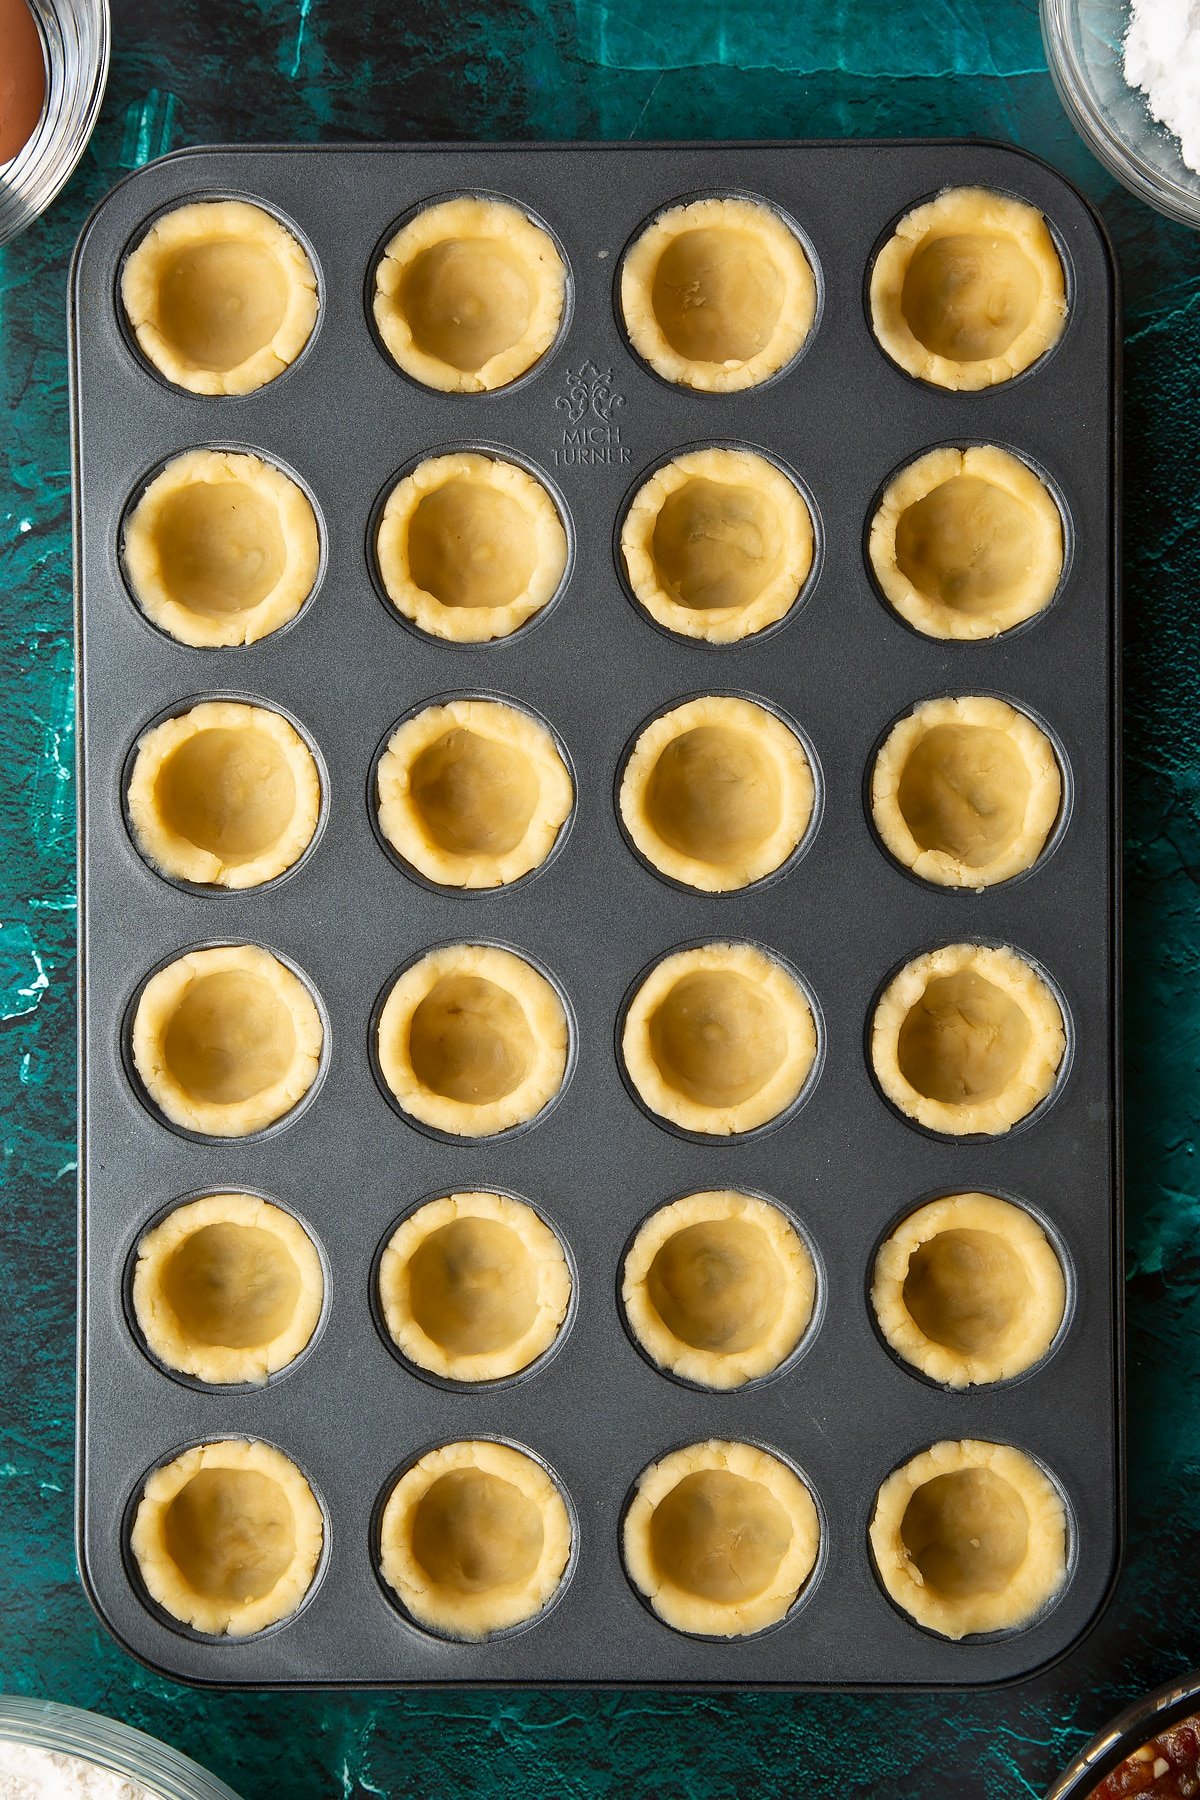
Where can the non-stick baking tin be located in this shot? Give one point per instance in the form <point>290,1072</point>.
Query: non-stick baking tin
<point>592,419</point>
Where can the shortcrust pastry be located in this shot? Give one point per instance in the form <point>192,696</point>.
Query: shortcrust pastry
<point>718,1288</point>
<point>720,1538</point>
<point>473,1040</point>
<point>967,543</point>
<point>228,1289</point>
<point>717,545</point>
<point>967,1039</point>
<point>220,297</point>
<point>227,1537</point>
<point>719,1039</point>
<point>968,1290</point>
<point>475,1538</point>
<point>970,1537</point>
<point>224,794</point>
<point>222,548</point>
<point>473,793</point>
<point>469,295</point>
<point>718,294</point>
<point>966,791</point>
<point>717,793</point>
<point>474,1287</point>
<point>470,547</point>
<point>226,1041</point>
<point>969,291</point>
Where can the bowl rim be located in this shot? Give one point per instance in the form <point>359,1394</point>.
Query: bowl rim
<point>1117,154</point>
<point>1127,1732</point>
<point>65,137</point>
<point>109,1744</point>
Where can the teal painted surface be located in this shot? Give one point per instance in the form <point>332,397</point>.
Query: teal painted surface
<point>190,71</point>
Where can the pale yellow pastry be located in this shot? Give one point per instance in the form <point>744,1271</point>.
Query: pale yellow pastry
<point>968,1290</point>
<point>718,1288</point>
<point>717,545</point>
<point>718,294</point>
<point>473,1040</point>
<point>220,297</point>
<point>970,1537</point>
<point>720,1039</point>
<point>717,793</point>
<point>969,291</point>
<point>227,1537</point>
<point>470,547</point>
<point>222,548</point>
<point>228,1289</point>
<point>475,1539</point>
<point>720,1538</point>
<point>473,793</point>
<point>967,543</point>
<point>967,1039</point>
<point>966,791</point>
<point>474,1287</point>
<point>224,794</point>
<point>226,1041</point>
<point>469,295</point>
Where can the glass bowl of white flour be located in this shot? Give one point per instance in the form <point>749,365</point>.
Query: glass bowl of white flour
<point>1128,73</point>
<point>52,1752</point>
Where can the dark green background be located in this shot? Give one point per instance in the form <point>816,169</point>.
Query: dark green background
<point>207,70</point>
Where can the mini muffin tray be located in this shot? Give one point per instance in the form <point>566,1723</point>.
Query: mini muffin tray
<point>592,422</point>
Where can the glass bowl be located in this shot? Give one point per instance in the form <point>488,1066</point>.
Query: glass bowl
<point>75,39</point>
<point>1145,1719</point>
<point>1084,46</point>
<point>163,1772</point>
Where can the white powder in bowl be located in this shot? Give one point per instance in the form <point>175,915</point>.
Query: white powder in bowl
<point>28,1772</point>
<point>1162,57</point>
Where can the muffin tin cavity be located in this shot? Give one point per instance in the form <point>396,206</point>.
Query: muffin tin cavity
<point>227,1289</point>
<point>720,1538</point>
<point>473,793</point>
<point>469,547</point>
<point>969,291</point>
<point>967,1040</point>
<point>220,297</point>
<point>968,1289</point>
<point>226,1041</point>
<point>717,793</point>
<point>718,294</point>
<point>472,1040</point>
<point>620,668</point>
<point>970,1537</point>
<point>717,545</point>
<point>469,295</point>
<point>719,1039</point>
<point>965,792</point>
<point>224,795</point>
<point>227,1537</point>
<point>967,543</point>
<point>222,548</point>
<point>718,1288</point>
<point>475,1538</point>
<point>474,1287</point>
